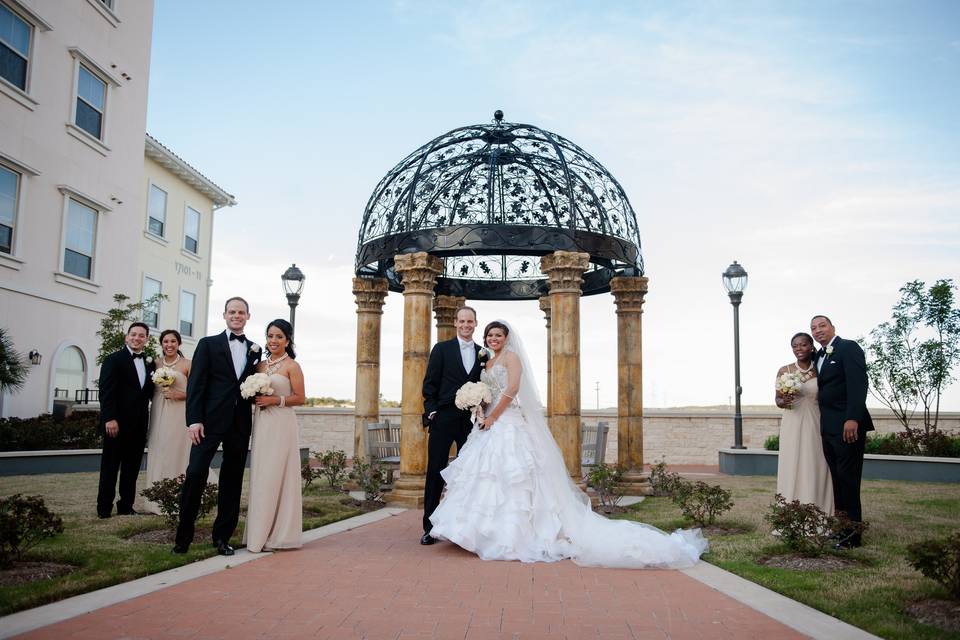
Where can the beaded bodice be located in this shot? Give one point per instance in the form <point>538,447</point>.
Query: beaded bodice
<point>496,378</point>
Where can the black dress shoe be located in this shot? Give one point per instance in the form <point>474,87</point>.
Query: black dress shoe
<point>223,548</point>
<point>850,542</point>
<point>103,516</point>
<point>427,539</point>
<point>129,512</point>
<point>180,548</point>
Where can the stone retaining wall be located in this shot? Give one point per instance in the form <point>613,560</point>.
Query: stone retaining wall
<point>679,437</point>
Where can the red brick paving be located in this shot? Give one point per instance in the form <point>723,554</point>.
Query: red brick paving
<point>377,582</point>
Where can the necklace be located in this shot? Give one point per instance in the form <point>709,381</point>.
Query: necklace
<point>273,365</point>
<point>170,364</point>
<point>807,370</point>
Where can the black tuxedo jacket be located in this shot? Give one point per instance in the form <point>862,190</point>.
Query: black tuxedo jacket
<point>121,396</point>
<point>213,388</point>
<point>842,384</point>
<point>445,375</point>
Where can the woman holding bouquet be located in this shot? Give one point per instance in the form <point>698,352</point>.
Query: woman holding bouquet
<point>802,472</point>
<point>274,505</point>
<point>509,496</point>
<point>168,445</point>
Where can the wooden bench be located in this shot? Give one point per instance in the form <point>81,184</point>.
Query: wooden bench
<point>593,443</point>
<point>383,445</point>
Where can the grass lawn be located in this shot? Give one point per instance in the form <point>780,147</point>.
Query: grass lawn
<point>872,595</point>
<point>99,548</point>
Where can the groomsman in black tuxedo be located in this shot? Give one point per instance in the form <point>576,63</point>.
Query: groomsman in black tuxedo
<point>452,364</point>
<point>125,391</point>
<point>844,419</point>
<point>217,414</point>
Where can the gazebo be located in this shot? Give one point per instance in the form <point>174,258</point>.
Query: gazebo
<point>499,211</point>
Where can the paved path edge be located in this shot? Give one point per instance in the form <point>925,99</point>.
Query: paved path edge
<point>30,619</point>
<point>798,616</point>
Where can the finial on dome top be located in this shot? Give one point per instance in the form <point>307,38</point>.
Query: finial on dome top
<point>498,116</point>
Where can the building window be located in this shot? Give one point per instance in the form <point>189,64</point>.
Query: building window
<point>191,231</point>
<point>81,239</point>
<point>9,197</point>
<point>69,373</point>
<point>151,313</point>
<point>187,303</point>
<point>107,3</point>
<point>91,102</point>
<point>14,48</point>
<point>157,211</point>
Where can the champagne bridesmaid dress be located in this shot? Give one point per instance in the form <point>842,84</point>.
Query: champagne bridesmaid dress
<point>168,445</point>
<point>275,505</point>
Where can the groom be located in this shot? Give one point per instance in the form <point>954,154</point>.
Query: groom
<point>217,414</point>
<point>844,419</point>
<point>452,364</point>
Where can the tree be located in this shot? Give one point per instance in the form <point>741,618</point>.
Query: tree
<point>113,328</point>
<point>13,366</point>
<point>913,355</point>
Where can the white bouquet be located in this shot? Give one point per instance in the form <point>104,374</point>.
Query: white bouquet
<point>257,384</point>
<point>163,377</point>
<point>789,384</point>
<point>472,396</point>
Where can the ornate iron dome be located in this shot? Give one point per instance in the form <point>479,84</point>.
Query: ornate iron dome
<point>490,199</point>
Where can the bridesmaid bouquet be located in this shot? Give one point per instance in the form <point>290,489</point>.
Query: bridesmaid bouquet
<point>471,396</point>
<point>789,384</point>
<point>256,385</point>
<point>163,377</point>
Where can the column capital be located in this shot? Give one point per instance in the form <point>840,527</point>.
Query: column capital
<point>628,293</point>
<point>370,294</point>
<point>418,271</point>
<point>565,270</point>
<point>545,307</point>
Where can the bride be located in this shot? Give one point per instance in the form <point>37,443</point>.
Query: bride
<point>509,496</point>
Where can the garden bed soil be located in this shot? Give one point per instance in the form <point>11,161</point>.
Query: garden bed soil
<point>794,562</point>
<point>366,505</point>
<point>942,614</point>
<point>610,510</point>
<point>720,530</point>
<point>26,571</point>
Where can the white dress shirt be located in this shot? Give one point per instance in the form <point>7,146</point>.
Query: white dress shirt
<point>823,358</point>
<point>238,349</point>
<point>141,366</point>
<point>468,353</point>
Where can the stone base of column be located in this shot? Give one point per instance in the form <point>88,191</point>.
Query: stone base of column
<point>636,483</point>
<point>407,492</point>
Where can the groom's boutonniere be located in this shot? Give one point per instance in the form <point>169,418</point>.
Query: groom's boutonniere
<point>829,350</point>
<point>254,349</point>
<point>484,354</point>
<point>148,360</point>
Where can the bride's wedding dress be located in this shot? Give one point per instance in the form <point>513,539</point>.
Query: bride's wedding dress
<point>509,496</point>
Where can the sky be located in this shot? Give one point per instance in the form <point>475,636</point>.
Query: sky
<point>814,142</point>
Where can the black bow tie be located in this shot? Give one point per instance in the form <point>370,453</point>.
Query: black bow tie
<point>137,355</point>
<point>821,353</point>
<point>241,337</point>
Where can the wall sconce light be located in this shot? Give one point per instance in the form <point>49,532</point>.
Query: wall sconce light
<point>35,357</point>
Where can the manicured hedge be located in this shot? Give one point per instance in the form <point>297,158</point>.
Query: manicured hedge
<point>78,431</point>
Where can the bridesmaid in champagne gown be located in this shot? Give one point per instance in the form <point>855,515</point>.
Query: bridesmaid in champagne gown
<point>168,446</point>
<point>274,506</point>
<point>802,472</point>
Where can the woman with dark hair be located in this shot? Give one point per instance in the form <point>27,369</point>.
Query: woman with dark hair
<point>274,504</point>
<point>802,472</point>
<point>168,446</point>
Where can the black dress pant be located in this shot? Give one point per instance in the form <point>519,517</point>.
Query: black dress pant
<point>438,455</point>
<point>122,454</point>
<point>846,467</point>
<point>235,445</point>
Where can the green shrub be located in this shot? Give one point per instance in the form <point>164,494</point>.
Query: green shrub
<point>606,480</point>
<point>702,502</point>
<point>939,560</point>
<point>369,476</point>
<point>307,474</point>
<point>807,529</point>
<point>772,443</point>
<point>663,482</point>
<point>333,467</point>
<point>24,521</point>
<point>166,493</point>
<point>77,431</point>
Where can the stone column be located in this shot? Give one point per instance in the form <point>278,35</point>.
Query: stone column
<point>545,307</point>
<point>628,293</point>
<point>370,294</point>
<point>418,272</point>
<point>565,270</point>
<point>445,311</point>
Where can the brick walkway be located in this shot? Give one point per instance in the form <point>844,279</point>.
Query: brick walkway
<point>378,582</point>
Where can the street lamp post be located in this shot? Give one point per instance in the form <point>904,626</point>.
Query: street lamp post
<point>735,281</point>
<point>292,280</point>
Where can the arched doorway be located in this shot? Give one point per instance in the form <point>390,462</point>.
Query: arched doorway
<point>69,374</point>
